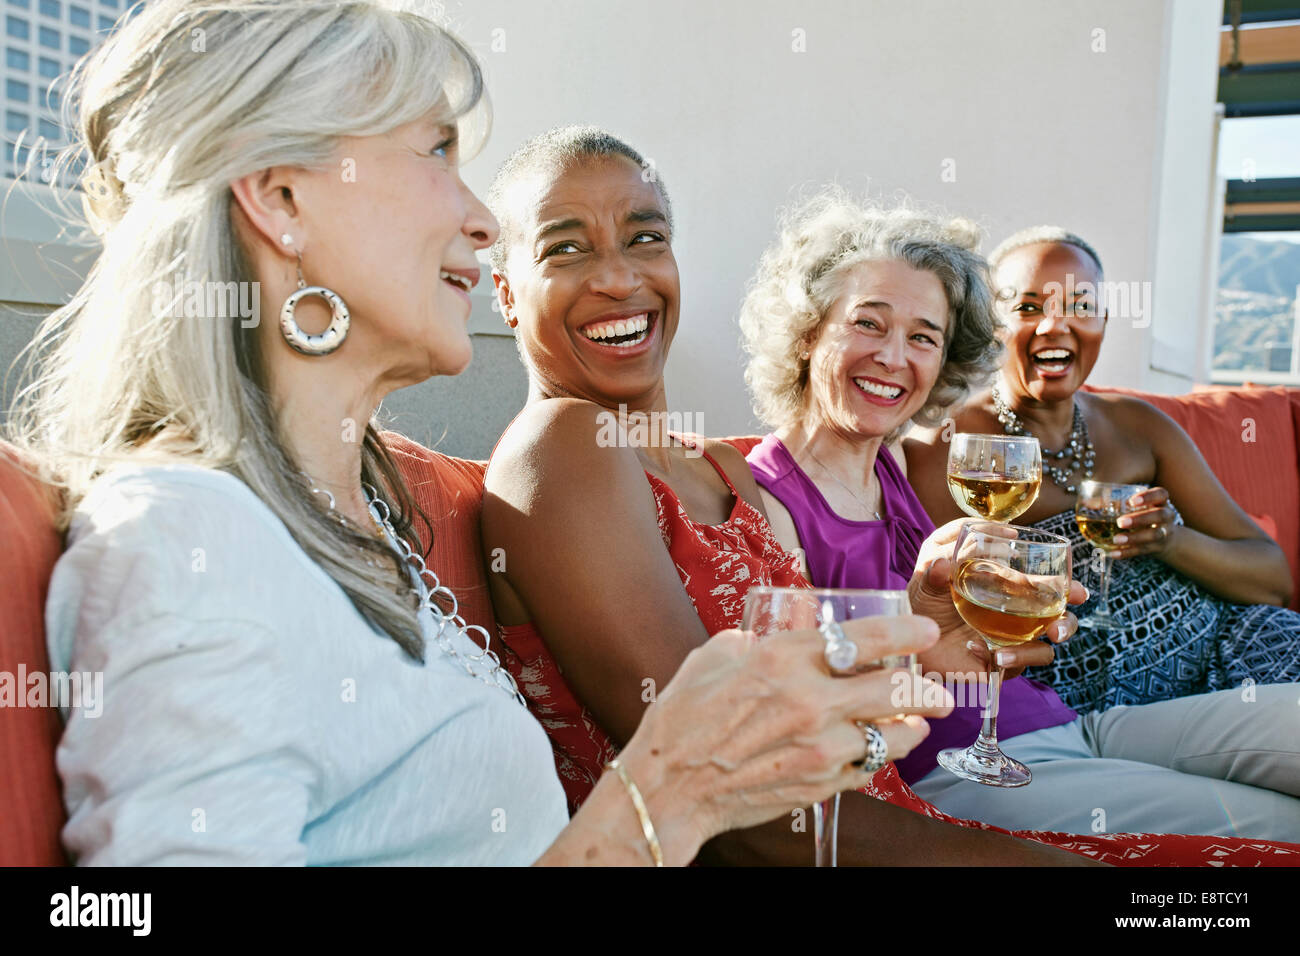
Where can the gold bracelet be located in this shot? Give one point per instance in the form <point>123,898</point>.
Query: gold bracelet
<point>642,813</point>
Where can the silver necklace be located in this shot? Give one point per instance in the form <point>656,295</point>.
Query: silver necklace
<point>822,466</point>
<point>484,666</point>
<point>1077,450</point>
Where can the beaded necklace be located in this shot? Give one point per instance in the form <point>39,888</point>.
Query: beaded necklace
<point>484,666</point>
<point>1078,449</point>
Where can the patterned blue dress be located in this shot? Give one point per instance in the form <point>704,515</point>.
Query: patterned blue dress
<point>1177,638</point>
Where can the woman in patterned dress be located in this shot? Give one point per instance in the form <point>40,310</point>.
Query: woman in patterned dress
<point>1198,586</point>
<point>600,538</point>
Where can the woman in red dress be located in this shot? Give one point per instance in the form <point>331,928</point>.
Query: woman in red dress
<point>606,522</point>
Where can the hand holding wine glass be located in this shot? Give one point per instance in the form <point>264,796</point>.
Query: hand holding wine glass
<point>994,477</point>
<point>1010,590</point>
<point>772,611</point>
<point>1098,511</point>
<point>960,649</point>
<point>1149,528</point>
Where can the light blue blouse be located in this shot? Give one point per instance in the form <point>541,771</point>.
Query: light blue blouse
<point>250,715</point>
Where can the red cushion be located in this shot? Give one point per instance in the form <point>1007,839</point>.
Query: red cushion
<point>743,444</point>
<point>450,492</point>
<point>1294,395</point>
<point>1268,525</point>
<point>31,806</point>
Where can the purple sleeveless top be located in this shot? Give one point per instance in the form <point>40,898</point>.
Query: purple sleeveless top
<point>882,554</point>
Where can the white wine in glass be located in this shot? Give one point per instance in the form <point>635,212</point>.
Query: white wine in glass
<point>772,610</point>
<point>994,477</point>
<point>1005,607</point>
<point>1009,584</point>
<point>1097,512</point>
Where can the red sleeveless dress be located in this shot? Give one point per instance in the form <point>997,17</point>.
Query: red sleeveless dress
<point>717,565</point>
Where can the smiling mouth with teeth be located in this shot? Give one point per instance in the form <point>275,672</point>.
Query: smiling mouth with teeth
<point>888,392</point>
<point>461,282</point>
<point>1053,360</point>
<point>622,333</point>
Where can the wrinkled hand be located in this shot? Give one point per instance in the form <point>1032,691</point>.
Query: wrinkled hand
<point>1152,525</point>
<point>960,650</point>
<point>748,731</point>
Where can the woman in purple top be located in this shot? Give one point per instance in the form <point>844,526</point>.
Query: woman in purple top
<point>859,321</point>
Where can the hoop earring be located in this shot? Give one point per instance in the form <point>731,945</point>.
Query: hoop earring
<point>322,343</point>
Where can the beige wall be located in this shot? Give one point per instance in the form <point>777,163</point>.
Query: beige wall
<point>741,103</point>
<point>1039,127</point>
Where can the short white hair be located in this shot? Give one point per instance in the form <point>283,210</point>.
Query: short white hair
<point>1036,234</point>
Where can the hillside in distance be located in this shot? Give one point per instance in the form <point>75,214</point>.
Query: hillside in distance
<point>1251,264</point>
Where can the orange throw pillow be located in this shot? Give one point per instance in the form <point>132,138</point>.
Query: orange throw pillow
<point>450,492</point>
<point>31,805</point>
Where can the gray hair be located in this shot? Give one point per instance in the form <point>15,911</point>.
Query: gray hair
<point>1037,234</point>
<point>186,98</point>
<point>799,275</point>
<point>549,152</point>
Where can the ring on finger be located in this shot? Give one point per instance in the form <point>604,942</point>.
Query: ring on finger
<point>877,754</point>
<point>840,653</point>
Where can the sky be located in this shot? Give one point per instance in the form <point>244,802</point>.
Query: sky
<point>1270,143</point>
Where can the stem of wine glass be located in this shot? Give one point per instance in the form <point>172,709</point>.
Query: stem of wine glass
<point>1103,604</point>
<point>986,746</point>
<point>826,825</point>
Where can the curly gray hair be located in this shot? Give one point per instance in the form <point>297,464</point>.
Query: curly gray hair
<point>799,275</point>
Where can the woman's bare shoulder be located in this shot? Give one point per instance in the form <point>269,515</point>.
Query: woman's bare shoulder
<point>730,459</point>
<point>1137,418</point>
<point>728,456</point>
<point>567,433</point>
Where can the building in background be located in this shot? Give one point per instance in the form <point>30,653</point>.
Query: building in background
<point>43,39</point>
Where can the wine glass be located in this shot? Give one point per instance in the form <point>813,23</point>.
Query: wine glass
<point>994,477</point>
<point>1096,511</point>
<point>771,610</point>
<point>1009,584</point>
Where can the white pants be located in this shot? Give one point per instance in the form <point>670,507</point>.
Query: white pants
<point>1221,764</point>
